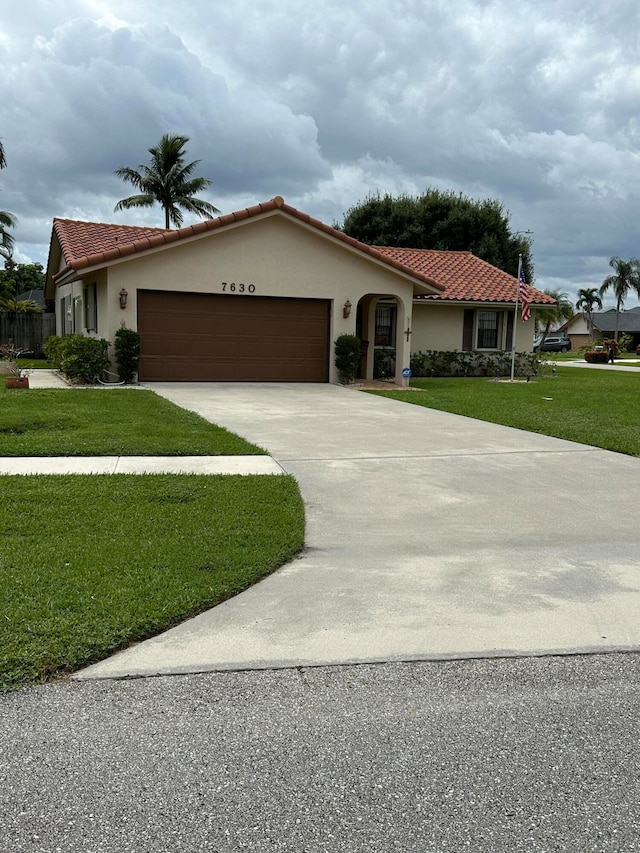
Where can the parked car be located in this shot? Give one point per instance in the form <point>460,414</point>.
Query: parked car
<point>552,343</point>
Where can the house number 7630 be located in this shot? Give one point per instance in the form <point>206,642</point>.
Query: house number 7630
<point>232,287</point>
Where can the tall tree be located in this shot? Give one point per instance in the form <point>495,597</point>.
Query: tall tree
<point>588,299</point>
<point>441,220</point>
<point>563,310</point>
<point>167,181</point>
<point>7,220</point>
<point>624,280</point>
<point>16,278</point>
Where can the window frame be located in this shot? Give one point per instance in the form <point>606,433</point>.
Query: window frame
<point>500,330</point>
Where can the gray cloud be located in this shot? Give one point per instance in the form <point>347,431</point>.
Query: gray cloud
<point>533,103</point>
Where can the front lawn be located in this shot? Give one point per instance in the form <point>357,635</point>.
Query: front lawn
<point>89,564</point>
<point>596,407</point>
<point>107,422</point>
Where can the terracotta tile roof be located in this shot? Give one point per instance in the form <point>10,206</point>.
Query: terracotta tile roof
<point>459,276</point>
<point>89,244</point>
<point>465,277</point>
<point>82,241</point>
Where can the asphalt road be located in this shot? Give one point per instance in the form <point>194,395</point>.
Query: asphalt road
<point>537,754</point>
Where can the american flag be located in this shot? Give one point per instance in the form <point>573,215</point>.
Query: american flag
<point>523,295</point>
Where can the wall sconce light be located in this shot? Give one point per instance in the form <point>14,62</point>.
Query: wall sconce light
<point>346,309</point>
<point>123,298</point>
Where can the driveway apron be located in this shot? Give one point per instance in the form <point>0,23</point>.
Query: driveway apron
<point>429,535</point>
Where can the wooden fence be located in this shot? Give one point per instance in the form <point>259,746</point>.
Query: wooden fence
<point>27,330</point>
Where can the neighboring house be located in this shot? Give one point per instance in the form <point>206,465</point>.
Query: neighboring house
<point>36,296</point>
<point>261,294</point>
<point>604,324</point>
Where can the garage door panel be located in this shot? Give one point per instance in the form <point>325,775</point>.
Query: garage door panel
<point>211,337</point>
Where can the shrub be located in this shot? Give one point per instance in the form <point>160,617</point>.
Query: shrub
<point>347,357</point>
<point>78,357</point>
<point>52,349</point>
<point>384,362</point>
<point>127,349</point>
<point>625,343</point>
<point>593,357</point>
<point>453,363</point>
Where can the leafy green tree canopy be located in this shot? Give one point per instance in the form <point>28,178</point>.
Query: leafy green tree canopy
<point>17,278</point>
<point>441,220</point>
<point>167,181</point>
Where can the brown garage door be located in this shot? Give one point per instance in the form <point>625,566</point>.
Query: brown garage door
<point>202,336</point>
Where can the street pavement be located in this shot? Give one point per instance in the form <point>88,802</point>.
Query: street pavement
<point>489,756</point>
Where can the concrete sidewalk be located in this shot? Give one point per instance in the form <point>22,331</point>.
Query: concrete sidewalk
<point>626,365</point>
<point>22,465</point>
<point>429,535</point>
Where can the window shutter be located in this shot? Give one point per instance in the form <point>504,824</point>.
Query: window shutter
<point>467,329</point>
<point>509,343</point>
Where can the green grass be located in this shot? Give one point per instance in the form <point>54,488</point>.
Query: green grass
<point>89,564</point>
<point>596,407</point>
<point>107,422</point>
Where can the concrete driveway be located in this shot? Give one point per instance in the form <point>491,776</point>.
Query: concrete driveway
<point>429,536</point>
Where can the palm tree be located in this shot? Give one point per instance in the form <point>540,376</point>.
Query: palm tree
<point>563,310</point>
<point>20,306</point>
<point>588,299</point>
<point>626,277</point>
<point>167,181</point>
<point>7,220</point>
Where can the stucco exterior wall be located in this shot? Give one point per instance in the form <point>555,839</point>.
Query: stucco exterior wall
<point>436,327</point>
<point>440,326</point>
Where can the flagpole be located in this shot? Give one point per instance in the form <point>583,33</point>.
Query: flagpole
<point>515,321</point>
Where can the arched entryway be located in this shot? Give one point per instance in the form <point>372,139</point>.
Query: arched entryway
<point>383,325</point>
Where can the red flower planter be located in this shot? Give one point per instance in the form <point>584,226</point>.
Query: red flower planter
<point>16,382</point>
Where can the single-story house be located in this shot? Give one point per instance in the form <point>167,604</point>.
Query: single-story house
<point>604,324</point>
<point>262,294</point>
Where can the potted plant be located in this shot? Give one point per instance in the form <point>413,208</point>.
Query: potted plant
<point>17,376</point>
<point>7,357</point>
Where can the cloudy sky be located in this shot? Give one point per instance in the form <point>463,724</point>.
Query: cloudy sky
<point>532,102</point>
